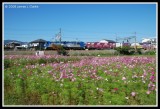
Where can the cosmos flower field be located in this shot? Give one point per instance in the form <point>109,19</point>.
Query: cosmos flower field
<point>71,80</point>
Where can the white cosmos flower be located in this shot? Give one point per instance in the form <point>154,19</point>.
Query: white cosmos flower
<point>143,81</point>
<point>97,88</point>
<point>155,89</point>
<point>126,98</point>
<point>123,78</point>
<point>106,79</point>
<point>61,85</point>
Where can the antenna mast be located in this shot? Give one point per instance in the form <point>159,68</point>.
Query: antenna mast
<point>58,36</point>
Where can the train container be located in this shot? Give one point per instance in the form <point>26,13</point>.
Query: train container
<point>146,46</point>
<point>100,45</point>
<point>126,44</point>
<point>91,45</point>
<point>77,45</point>
<point>106,46</point>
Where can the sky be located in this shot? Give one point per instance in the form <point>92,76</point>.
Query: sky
<point>88,22</point>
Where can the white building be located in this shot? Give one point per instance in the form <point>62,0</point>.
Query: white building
<point>118,44</point>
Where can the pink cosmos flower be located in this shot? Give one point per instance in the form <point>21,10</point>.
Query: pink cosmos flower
<point>152,78</point>
<point>152,73</point>
<point>63,74</point>
<point>133,93</point>
<point>150,84</point>
<point>73,79</point>
<point>115,89</point>
<point>144,74</point>
<point>50,72</point>
<point>153,88</point>
<point>148,92</point>
<point>123,78</point>
<point>134,76</point>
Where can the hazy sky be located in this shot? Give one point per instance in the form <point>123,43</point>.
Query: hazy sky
<point>84,22</point>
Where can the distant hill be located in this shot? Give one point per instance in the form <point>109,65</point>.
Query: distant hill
<point>7,41</point>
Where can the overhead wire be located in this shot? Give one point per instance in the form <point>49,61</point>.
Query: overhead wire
<point>71,34</point>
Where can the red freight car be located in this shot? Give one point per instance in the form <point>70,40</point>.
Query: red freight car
<point>101,45</point>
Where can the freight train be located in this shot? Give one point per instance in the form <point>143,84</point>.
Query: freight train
<point>101,45</point>
<point>79,45</point>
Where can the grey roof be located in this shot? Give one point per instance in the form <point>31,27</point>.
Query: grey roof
<point>13,42</point>
<point>38,41</point>
<point>109,40</point>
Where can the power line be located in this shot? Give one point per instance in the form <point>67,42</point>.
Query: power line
<point>34,29</point>
<point>71,31</point>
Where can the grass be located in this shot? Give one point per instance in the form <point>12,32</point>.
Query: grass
<point>100,53</point>
<point>71,52</point>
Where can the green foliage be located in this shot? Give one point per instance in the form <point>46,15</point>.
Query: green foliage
<point>23,61</point>
<point>45,99</point>
<point>7,80</point>
<point>150,52</point>
<point>7,63</point>
<point>62,51</point>
<point>93,52</point>
<point>42,61</point>
<point>18,86</point>
<point>139,50</point>
<point>125,50</point>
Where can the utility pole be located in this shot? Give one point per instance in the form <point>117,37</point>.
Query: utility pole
<point>116,37</point>
<point>116,40</point>
<point>60,35</point>
<point>76,40</point>
<point>135,43</point>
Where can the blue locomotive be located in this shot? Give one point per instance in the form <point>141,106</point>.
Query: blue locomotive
<point>75,45</point>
